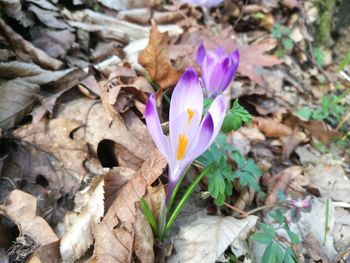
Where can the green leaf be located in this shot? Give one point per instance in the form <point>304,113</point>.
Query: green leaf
<point>235,117</point>
<point>149,216</point>
<point>290,256</point>
<point>262,238</point>
<point>305,113</point>
<point>293,237</point>
<point>276,31</point>
<point>287,43</point>
<point>280,252</point>
<point>278,216</point>
<point>216,185</point>
<point>269,254</point>
<point>268,229</point>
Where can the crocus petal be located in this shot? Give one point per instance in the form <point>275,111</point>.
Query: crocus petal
<point>217,111</point>
<point>187,95</point>
<point>203,140</point>
<point>220,52</point>
<point>155,129</point>
<point>201,53</point>
<point>222,75</point>
<point>207,69</point>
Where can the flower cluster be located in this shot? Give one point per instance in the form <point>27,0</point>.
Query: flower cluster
<point>191,133</point>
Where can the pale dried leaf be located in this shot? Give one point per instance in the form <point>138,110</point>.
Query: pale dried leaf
<point>49,18</point>
<point>89,211</point>
<point>13,8</point>
<point>114,236</point>
<point>193,245</point>
<point>14,69</point>
<point>26,51</point>
<point>20,207</point>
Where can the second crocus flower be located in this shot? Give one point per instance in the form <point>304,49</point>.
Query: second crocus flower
<point>218,69</point>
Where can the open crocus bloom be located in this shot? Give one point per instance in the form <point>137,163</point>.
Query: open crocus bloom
<point>189,134</point>
<point>218,69</point>
<point>206,3</point>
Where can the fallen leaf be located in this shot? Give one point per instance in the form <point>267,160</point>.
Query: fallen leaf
<point>272,128</point>
<point>17,95</point>
<point>330,180</point>
<point>115,179</point>
<point>49,253</point>
<point>49,18</point>
<point>26,51</point>
<point>20,207</point>
<point>280,182</point>
<point>114,236</point>
<point>89,209</point>
<point>53,138</point>
<point>128,131</point>
<point>155,59</point>
<point>291,142</point>
<point>56,43</point>
<point>193,245</point>
<point>143,243</point>
<point>314,249</point>
<point>14,69</point>
<point>14,9</point>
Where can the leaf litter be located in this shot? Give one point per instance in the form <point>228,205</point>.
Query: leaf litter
<point>76,156</point>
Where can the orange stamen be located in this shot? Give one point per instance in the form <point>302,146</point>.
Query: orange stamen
<point>182,146</point>
<point>190,116</point>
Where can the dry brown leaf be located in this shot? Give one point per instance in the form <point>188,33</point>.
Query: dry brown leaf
<point>53,137</point>
<point>49,253</point>
<point>26,51</point>
<point>115,179</point>
<point>291,142</point>
<point>155,59</point>
<point>320,130</point>
<point>272,128</point>
<point>143,243</point>
<point>280,182</point>
<point>89,208</point>
<point>114,236</point>
<point>20,207</point>
<point>49,18</point>
<point>128,131</point>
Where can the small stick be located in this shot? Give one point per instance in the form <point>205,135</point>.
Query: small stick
<point>236,209</point>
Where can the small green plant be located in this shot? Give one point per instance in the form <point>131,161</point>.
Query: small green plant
<point>221,175</point>
<point>319,56</point>
<point>282,34</point>
<point>331,110</point>
<point>277,250</point>
<point>235,118</point>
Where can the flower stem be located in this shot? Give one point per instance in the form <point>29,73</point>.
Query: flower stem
<point>183,201</point>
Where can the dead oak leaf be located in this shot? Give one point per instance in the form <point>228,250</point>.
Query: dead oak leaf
<point>89,209</point>
<point>20,207</point>
<point>114,236</point>
<point>155,59</point>
<point>49,151</point>
<point>272,128</point>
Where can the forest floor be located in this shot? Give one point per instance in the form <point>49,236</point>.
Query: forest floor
<point>76,156</point>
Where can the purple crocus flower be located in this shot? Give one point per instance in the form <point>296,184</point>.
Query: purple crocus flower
<point>189,134</point>
<point>218,69</point>
<point>206,3</point>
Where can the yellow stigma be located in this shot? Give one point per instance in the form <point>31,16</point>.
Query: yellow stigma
<point>190,116</point>
<point>181,146</point>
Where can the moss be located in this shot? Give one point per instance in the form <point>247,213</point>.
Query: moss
<point>324,23</point>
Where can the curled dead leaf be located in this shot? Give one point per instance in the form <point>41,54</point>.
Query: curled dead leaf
<point>20,207</point>
<point>155,59</point>
<point>272,128</point>
<point>114,236</point>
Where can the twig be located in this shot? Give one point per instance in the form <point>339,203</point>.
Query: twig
<point>344,120</point>
<point>258,209</point>
<point>245,214</point>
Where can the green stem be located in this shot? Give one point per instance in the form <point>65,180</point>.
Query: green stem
<point>149,216</point>
<point>183,201</point>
